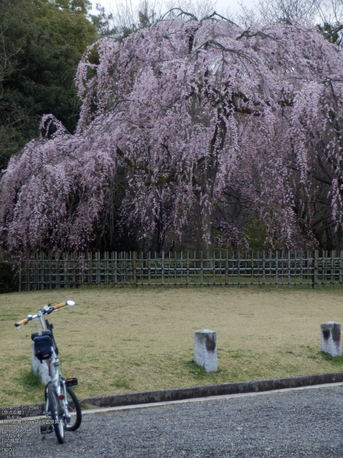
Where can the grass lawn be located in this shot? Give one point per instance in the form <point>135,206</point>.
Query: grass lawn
<point>122,340</point>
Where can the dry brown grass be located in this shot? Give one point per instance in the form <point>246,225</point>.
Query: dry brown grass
<point>120,340</point>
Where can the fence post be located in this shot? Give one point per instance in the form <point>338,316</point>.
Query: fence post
<point>315,270</point>
<point>135,268</point>
<point>264,267</point>
<point>289,270</point>
<point>41,271</point>
<point>106,263</point>
<point>99,269</point>
<point>162,269</point>
<point>35,270</point>
<point>187,268</point>
<point>239,269</point>
<point>49,270</point>
<point>123,266</point>
<point>28,272</point>
<point>175,268</point>
<point>19,276</point>
<point>74,257</point>
<point>201,269</point>
<point>90,269</point>
<point>65,269</point>
<point>115,268</point>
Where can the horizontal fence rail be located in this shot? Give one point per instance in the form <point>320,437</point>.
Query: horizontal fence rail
<point>120,269</point>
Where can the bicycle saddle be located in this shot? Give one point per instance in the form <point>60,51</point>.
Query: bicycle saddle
<point>40,334</point>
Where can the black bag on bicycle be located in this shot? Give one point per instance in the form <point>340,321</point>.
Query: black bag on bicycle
<point>43,342</point>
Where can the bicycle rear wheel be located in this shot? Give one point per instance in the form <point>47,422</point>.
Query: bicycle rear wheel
<point>56,411</point>
<point>75,411</point>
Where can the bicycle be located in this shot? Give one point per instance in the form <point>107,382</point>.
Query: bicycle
<point>63,416</point>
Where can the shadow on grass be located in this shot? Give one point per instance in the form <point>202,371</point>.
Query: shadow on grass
<point>31,379</point>
<point>199,373</point>
<point>336,361</point>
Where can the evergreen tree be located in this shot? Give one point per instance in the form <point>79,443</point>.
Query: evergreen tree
<point>41,43</point>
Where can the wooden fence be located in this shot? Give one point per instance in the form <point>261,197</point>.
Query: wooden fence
<point>41,271</point>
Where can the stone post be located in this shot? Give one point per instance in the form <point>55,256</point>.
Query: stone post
<point>42,368</point>
<point>331,338</point>
<point>205,349</point>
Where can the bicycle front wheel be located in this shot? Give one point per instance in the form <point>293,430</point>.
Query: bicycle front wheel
<point>74,411</point>
<point>56,411</point>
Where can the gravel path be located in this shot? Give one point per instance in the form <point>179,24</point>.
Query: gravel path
<point>298,423</point>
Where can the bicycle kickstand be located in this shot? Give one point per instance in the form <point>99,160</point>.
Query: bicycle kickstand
<point>46,429</point>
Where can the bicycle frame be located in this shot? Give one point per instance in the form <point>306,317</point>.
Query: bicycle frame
<point>56,377</point>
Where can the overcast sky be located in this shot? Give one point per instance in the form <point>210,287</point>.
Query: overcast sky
<point>222,6</point>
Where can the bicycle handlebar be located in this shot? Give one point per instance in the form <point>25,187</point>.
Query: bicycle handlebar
<point>21,322</point>
<point>58,306</point>
<point>46,310</point>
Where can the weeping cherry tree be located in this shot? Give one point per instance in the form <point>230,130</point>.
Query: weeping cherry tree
<point>189,129</point>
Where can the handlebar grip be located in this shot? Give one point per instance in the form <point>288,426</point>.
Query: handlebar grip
<point>58,306</point>
<point>21,322</point>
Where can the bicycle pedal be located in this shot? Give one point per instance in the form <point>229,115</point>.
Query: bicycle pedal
<point>46,429</point>
<point>71,381</point>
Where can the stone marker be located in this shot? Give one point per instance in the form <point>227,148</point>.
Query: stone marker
<point>331,338</point>
<point>205,349</point>
<point>42,368</point>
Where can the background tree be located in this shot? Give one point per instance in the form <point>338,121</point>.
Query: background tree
<point>126,18</point>
<point>288,10</point>
<point>41,44</point>
<point>327,15</point>
<point>8,136</point>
